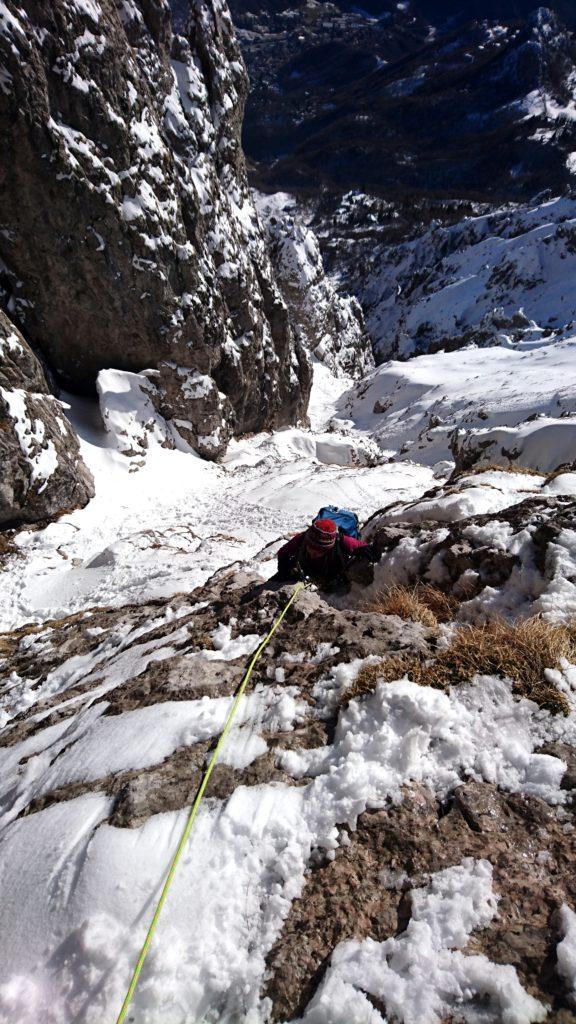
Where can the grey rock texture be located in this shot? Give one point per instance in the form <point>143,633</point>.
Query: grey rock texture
<point>469,556</point>
<point>364,891</point>
<point>237,598</point>
<point>42,473</point>
<point>128,233</point>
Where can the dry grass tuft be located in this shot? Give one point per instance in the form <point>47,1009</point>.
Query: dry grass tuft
<point>493,467</point>
<point>394,667</point>
<point>7,548</point>
<point>7,646</point>
<point>422,603</point>
<point>520,651</point>
<point>443,606</point>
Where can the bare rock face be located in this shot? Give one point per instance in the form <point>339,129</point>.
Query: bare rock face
<point>41,471</point>
<point>365,890</point>
<point>128,235</point>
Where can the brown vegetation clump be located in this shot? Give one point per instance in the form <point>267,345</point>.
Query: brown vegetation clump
<point>444,606</point>
<point>422,603</point>
<point>394,667</point>
<point>520,651</point>
<point>8,549</point>
<point>493,467</point>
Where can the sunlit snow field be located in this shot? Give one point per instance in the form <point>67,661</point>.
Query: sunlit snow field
<point>167,526</point>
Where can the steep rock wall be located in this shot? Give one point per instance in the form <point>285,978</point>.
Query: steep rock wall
<point>41,470</point>
<point>128,238</point>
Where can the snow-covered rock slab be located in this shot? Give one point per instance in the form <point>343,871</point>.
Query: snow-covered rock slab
<point>42,473</point>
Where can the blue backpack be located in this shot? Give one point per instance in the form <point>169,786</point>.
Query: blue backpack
<point>346,521</point>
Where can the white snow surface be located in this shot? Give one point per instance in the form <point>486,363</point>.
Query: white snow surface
<point>75,912</point>
<point>566,951</point>
<point>515,399</point>
<point>164,520</point>
<point>247,862</point>
<point>422,975</point>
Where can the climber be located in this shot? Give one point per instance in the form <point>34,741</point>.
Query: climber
<point>324,555</point>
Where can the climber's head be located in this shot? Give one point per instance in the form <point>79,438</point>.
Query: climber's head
<point>321,536</point>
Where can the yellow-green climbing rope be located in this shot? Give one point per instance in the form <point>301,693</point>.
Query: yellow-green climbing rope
<point>195,806</point>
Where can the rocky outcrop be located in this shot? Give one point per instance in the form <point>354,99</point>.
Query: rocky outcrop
<point>515,561</point>
<point>328,324</point>
<point>365,890</point>
<point>41,470</point>
<point>542,443</point>
<point>128,235</point>
<point>81,681</point>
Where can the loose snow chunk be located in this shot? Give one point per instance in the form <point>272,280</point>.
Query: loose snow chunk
<point>90,8</point>
<point>145,133</point>
<point>421,977</point>
<point>227,649</point>
<point>566,951</point>
<point>8,23</point>
<point>128,411</point>
<point>405,732</point>
<point>12,343</point>
<point>132,208</point>
<point>195,385</point>
<point>191,87</point>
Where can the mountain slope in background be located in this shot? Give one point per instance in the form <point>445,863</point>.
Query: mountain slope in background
<point>490,278</point>
<point>431,99</point>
